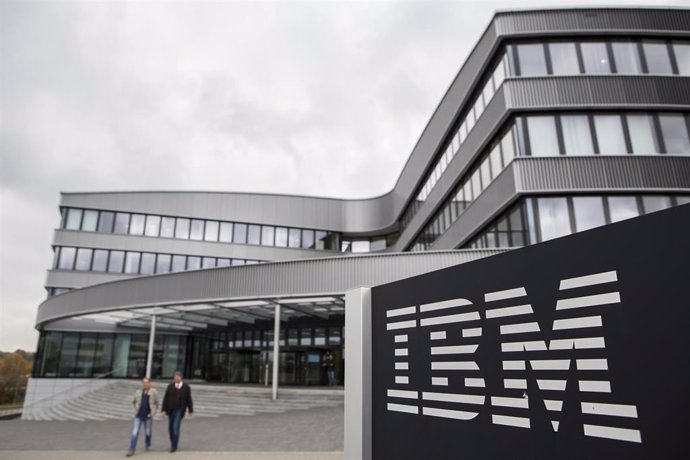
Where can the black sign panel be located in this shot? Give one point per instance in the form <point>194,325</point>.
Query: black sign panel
<point>577,348</point>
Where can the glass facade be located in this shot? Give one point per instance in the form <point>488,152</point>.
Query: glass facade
<point>571,133</point>
<point>538,219</point>
<point>556,57</point>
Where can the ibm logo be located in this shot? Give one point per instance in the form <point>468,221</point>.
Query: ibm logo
<point>453,347</point>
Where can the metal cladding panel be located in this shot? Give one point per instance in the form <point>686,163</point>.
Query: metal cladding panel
<point>75,280</point>
<point>593,20</point>
<point>303,277</point>
<point>608,173</point>
<point>598,90</point>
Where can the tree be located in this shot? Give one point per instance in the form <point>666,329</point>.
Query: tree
<point>15,369</point>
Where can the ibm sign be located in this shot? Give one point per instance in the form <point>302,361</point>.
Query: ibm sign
<point>575,348</point>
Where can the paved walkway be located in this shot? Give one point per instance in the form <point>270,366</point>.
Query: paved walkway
<point>309,434</point>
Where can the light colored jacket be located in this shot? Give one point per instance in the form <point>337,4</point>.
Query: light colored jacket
<point>153,401</point>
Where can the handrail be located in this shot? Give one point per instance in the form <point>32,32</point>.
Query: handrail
<point>71,389</point>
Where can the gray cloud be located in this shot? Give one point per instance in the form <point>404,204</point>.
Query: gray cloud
<point>321,98</point>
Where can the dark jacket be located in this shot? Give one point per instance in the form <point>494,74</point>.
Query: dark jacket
<point>178,399</point>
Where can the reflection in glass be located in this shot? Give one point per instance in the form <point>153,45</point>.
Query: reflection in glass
<point>589,212</point>
<point>67,258</point>
<point>193,263</point>
<point>675,133</point>
<point>153,224</point>
<point>642,137</point>
<point>182,228</point>
<point>656,55</point>
<point>196,231</point>
<point>564,59</point>
<point>267,235</point>
<point>542,136</point>
<point>136,224</point>
<point>622,207</point>
<point>610,134</point>
<point>83,259</point>
<point>576,135</point>
<point>73,219</point>
<point>179,263</point>
<point>682,52</point>
<point>281,237</point>
<point>115,262</point>
<point>87,350</point>
<point>223,262</point>
<point>121,223</point>
<point>100,260</point>
<point>211,232</point>
<point>90,221</point>
<point>225,235</point>
<point>294,238</point>
<point>553,218</point>
<point>167,227</point>
<point>627,58</point>
<point>208,262</point>
<point>105,222</point>
<point>103,356</point>
<point>254,234</point>
<point>595,58</point>
<point>653,203</point>
<point>163,263</point>
<point>240,234</point>
<point>68,354</point>
<point>360,246</point>
<point>148,264</point>
<point>132,262</point>
<point>308,239</point>
<point>532,60</point>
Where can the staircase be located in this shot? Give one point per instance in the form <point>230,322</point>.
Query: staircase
<point>114,401</point>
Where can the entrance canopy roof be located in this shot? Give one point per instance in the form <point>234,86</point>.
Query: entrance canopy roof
<point>218,297</point>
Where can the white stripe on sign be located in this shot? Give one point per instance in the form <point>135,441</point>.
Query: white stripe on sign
<point>614,410</point>
<point>454,398</point>
<point>401,338</point>
<point>577,323</point>
<point>402,408</point>
<point>401,325</point>
<point>519,328</point>
<point>505,294</point>
<point>454,350</point>
<point>402,394</point>
<point>588,301</point>
<point>520,422</point>
<point>454,366</point>
<point>401,311</point>
<point>509,311</point>
<point>444,304</point>
<point>608,432</point>
<point>459,318</point>
<point>588,280</point>
<point>446,413</point>
<point>521,403</point>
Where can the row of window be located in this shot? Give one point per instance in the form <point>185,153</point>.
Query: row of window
<point>134,262</point>
<point>125,223</point>
<point>90,354</point>
<point>572,133</point>
<point>533,220</point>
<point>560,57</point>
<point>296,337</point>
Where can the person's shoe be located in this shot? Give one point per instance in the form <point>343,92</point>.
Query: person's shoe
<point>148,448</point>
<point>130,453</point>
<point>173,449</point>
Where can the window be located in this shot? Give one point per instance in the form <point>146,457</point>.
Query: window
<point>179,263</point>
<point>137,224</point>
<point>153,225</point>
<point>253,234</point>
<point>564,59</point>
<point>656,55</point>
<point>485,172</point>
<point>197,230</point>
<point>267,235</point>
<point>68,354</point>
<point>476,183</point>
<point>281,237</point>
<point>83,259</point>
<point>306,337</point>
<point>610,134</point>
<point>308,239</point>
<point>100,260</point>
<point>653,203</point>
<point>319,336</point>
<point>211,232</point>
<point>208,262</point>
<point>167,227</point>
<point>193,263</point>
<point>532,60</point>
<point>182,228</point>
<point>148,263</point>
<point>223,262</point>
<point>115,262</point>
<point>682,52</point>
<point>240,235</point>
<point>622,207</point>
<point>627,57</point>
<point>103,356</point>
<point>642,134</point>
<point>121,223</point>
<point>90,221</point>
<point>73,219</point>
<point>163,263</point>
<point>577,138</point>
<point>294,238</point>
<point>334,337</point>
<point>589,212</point>
<point>132,262</point>
<point>553,218</point>
<point>225,235</point>
<point>508,148</point>
<point>377,245</point>
<point>595,58</point>
<point>542,136</point>
<point>360,246</point>
<point>105,222</point>
<point>67,256</point>
<point>675,133</point>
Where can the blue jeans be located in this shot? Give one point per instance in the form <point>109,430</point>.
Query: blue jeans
<point>148,428</point>
<point>331,376</point>
<point>174,419</point>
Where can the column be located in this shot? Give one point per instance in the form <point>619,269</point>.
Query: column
<point>276,349</point>
<point>152,338</point>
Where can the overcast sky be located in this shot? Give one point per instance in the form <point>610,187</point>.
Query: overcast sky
<point>316,98</point>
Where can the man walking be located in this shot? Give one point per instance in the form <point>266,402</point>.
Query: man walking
<point>145,405</point>
<point>177,399</point>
